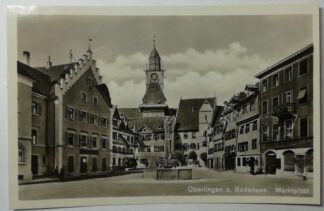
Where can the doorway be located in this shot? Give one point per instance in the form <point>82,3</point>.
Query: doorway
<point>271,159</point>
<point>34,165</point>
<point>83,164</point>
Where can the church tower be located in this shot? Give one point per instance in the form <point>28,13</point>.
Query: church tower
<point>154,71</point>
<point>154,102</point>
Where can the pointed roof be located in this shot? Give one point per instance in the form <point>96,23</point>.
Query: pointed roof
<point>154,95</point>
<point>188,113</point>
<point>154,53</point>
<point>58,71</point>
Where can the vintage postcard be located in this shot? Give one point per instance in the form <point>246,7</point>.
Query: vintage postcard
<point>136,105</point>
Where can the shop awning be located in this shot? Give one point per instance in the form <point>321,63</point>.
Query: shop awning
<point>301,94</point>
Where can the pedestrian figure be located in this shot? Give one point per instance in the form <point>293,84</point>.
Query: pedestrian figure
<point>56,172</point>
<point>252,163</point>
<point>62,172</point>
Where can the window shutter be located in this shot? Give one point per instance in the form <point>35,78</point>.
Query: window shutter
<point>75,140</point>
<point>39,111</point>
<point>88,117</point>
<point>75,114</point>
<point>66,112</point>
<point>89,142</point>
<point>66,138</point>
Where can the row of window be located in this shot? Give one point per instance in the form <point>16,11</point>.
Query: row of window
<point>230,134</point>
<point>155,137</point>
<point>244,146</point>
<point>84,98</point>
<point>285,130</point>
<point>148,149</point>
<point>129,138</point>
<point>287,100</point>
<point>186,136</point>
<point>249,126</point>
<point>122,150</point>
<point>74,114</point>
<point>85,140</point>
<point>273,80</point>
<point>84,164</point>
<point>251,106</point>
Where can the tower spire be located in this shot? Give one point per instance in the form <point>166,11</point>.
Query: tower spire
<point>154,38</point>
<point>89,49</point>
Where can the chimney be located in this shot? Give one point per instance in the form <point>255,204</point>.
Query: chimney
<point>49,63</point>
<point>27,55</point>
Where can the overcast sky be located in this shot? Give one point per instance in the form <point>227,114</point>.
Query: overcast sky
<point>202,55</point>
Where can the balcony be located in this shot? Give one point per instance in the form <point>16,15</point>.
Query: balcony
<point>284,111</point>
<point>287,143</point>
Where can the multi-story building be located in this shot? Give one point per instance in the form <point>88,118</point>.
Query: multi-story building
<point>248,144</point>
<point>192,122</point>
<point>70,115</point>
<point>215,136</point>
<point>124,141</point>
<point>286,110</point>
<point>230,136</point>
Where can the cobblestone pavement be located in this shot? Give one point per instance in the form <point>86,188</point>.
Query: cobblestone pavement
<point>204,182</point>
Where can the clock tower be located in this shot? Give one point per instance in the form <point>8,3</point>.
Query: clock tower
<point>154,102</point>
<point>154,71</point>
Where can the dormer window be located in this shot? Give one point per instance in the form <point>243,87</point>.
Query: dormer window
<point>89,81</point>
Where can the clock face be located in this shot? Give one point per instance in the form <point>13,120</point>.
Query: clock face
<point>154,77</point>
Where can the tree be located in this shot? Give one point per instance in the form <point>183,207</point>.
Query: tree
<point>236,98</point>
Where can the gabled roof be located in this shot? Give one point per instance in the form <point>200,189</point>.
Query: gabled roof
<point>188,113</point>
<point>154,95</point>
<point>57,72</point>
<point>41,82</point>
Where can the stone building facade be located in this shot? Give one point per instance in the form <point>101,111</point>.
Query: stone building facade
<point>286,110</point>
<point>248,138</point>
<point>69,118</point>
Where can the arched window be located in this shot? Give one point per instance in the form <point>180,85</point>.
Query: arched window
<point>192,146</point>
<point>21,154</point>
<point>289,161</point>
<point>309,160</point>
<point>70,167</point>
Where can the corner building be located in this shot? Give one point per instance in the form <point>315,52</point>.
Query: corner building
<point>286,113</point>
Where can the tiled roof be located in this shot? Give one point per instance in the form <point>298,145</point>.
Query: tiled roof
<point>58,71</point>
<point>154,123</point>
<point>188,113</point>
<point>154,95</point>
<point>42,82</point>
<point>135,119</point>
<point>130,113</point>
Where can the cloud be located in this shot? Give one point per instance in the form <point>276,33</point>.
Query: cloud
<point>190,74</point>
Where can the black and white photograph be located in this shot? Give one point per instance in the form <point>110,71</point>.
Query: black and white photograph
<point>215,105</point>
